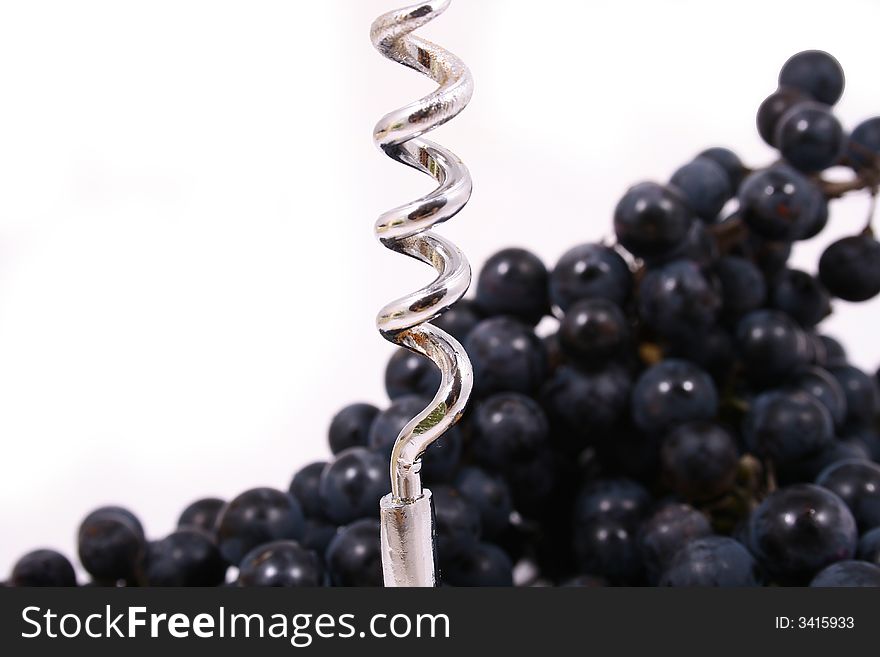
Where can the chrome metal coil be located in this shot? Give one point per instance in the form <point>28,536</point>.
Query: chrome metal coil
<point>406,229</point>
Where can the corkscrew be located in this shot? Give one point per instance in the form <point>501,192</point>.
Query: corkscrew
<point>407,522</point>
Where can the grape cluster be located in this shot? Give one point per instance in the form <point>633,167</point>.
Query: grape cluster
<point>660,411</point>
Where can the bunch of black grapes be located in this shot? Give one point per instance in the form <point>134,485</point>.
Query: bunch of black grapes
<point>684,423</point>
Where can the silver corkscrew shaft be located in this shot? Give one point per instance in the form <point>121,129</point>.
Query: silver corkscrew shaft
<point>406,513</point>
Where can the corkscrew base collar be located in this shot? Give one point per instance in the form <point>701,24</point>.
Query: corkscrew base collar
<point>407,541</point>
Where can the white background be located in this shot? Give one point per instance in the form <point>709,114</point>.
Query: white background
<point>188,278</point>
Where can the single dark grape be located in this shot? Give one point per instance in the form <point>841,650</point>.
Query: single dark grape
<point>305,486</point>
<point>457,522</point>
<point>582,405</point>
<point>484,565</point>
<point>863,149</point>
<point>354,556</point>
<point>459,320</point>
<point>742,286</point>
<point>112,545</point>
<point>255,517</point>
<point>593,332</point>
<point>514,282</point>
<point>186,557</point>
<point>704,186</point>
<point>281,563</point>
<point>409,373</point>
<point>490,495</point>
<point>717,561</point>
<point>350,486</point>
<point>799,530</point>
<point>609,547</point>
<point>856,482</point>
<point>848,574</point>
<point>671,392</point>
<point>810,137</point>
<point>850,268</point>
<point>773,108</point>
<point>666,532</point>
<point>800,296</point>
<point>771,346</point>
<point>620,498</point>
<point>861,392</point>
<point>699,460</point>
<point>509,428</point>
<point>590,271</point>
<point>825,388</point>
<point>787,426</point>
<point>650,220</point>
<point>350,427</point>
<point>869,546</point>
<point>43,568</point>
<point>506,356</point>
<point>677,301</point>
<point>729,162</point>
<point>815,73</point>
<point>201,514</point>
<point>777,203</point>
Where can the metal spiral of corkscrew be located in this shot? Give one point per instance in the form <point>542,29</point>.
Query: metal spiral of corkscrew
<point>407,518</point>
